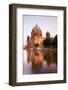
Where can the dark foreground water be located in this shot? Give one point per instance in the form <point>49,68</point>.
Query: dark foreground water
<point>39,62</point>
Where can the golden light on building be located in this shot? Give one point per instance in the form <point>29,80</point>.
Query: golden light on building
<point>36,37</point>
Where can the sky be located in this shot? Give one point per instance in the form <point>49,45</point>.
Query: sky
<point>46,23</point>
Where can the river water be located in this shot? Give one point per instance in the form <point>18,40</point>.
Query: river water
<point>39,62</point>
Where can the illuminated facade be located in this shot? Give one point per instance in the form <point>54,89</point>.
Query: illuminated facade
<point>36,39</point>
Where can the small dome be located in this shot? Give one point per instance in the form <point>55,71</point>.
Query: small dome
<point>47,34</point>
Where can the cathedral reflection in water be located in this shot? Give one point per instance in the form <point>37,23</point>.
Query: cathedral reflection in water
<point>39,62</point>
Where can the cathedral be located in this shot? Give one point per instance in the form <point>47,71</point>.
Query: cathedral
<point>37,40</point>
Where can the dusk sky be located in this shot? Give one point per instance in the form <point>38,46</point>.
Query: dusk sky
<point>46,23</point>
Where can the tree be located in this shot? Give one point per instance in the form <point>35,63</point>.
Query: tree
<point>47,42</point>
<point>54,43</point>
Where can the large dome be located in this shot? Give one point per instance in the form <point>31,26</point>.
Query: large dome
<point>36,27</point>
<point>36,30</point>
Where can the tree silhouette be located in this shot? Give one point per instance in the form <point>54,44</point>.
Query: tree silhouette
<point>54,43</point>
<point>47,42</point>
